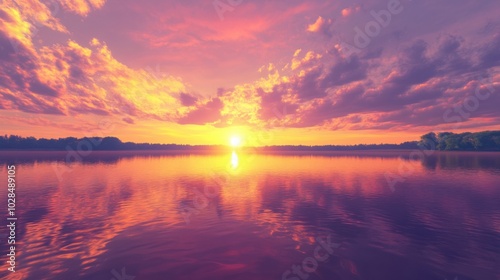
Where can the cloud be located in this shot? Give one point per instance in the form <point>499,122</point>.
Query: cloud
<point>204,113</point>
<point>38,87</point>
<point>410,88</point>
<point>344,71</point>
<point>35,14</point>
<point>187,99</point>
<point>386,86</point>
<point>321,25</point>
<point>82,7</point>
<point>490,54</point>
<point>190,24</point>
<point>308,60</point>
<point>350,10</point>
<point>317,25</point>
<point>79,79</point>
<point>69,79</point>
<point>128,120</point>
<point>414,87</point>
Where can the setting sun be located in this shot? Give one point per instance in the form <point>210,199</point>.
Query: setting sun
<point>235,141</point>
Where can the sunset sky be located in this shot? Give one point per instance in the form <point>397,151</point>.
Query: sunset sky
<point>272,72</point>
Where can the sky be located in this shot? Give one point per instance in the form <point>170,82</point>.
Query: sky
<point>271,72</point>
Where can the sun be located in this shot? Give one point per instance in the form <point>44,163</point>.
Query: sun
<point>235,141</point>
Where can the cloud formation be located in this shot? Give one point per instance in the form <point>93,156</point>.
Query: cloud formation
<point>405,78</point>
<point>69,78</point>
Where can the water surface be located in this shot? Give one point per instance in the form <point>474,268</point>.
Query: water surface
<point>243,216</point>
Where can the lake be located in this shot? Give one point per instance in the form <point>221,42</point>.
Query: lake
<point>336,215</point>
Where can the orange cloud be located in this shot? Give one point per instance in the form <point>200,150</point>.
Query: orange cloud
<point>350,10</point>
<point>34,13</point>
<point>72,79</point>
<point>316,26</point>
<point>82,7</point>
<point>321,25</point>
<point>310,58</point>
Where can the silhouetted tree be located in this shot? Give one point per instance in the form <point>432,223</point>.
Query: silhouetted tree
<point>480,141</point>
<point>447,141</point>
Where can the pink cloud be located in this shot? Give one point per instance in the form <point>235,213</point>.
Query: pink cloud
<point>188,26</point>
<point>204,113</point>
<point>350,10</point>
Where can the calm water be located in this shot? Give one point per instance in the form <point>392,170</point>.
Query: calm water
<point>236,216</point>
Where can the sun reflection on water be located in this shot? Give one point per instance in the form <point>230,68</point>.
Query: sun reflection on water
<point>234,160</point>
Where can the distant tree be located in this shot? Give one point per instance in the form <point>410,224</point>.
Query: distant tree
<point>441,140</point>
<point>496,140</point>
<point>467,143</point>
<point>428,141</point>
<point>110,143</point>
<point>452,143</point>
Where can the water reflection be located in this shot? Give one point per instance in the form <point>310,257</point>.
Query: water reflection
<point>440,223</point>
<point>436,159</point>
<point>234,160</point>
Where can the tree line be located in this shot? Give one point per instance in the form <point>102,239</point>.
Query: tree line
<point>448,141</point>
<point>443,141</point>
<point>14,142</point>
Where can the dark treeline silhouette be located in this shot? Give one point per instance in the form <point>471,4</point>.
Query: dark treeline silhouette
<point>14,142</point>
<point>359,147</point>
<point>446,141</point>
